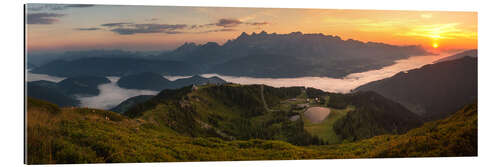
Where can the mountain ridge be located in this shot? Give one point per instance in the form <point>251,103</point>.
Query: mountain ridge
<point>314,54</point>
<point>451,84</point>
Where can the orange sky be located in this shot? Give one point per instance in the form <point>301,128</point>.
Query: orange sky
<point>446,30</point>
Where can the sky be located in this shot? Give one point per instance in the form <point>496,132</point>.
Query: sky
<point>52,27</point>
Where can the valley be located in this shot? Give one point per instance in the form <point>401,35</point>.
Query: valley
<point>83,135</point>
<point>212,120</point>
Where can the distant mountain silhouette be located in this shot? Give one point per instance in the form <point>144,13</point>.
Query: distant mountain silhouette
<point>153,81</point>
<point>256,55</point>
<point>30,66</point>
<point>42,58</point>
<point>49,91</point>
<point>145,80</point>
<point>82,85</point>
<point>274,55</point>
<point>469,53</point>
<point>113,67</point>
<point>433,91</point>
<point>64,93</point>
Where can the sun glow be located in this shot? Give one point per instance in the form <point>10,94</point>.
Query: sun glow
<point>435,45</point>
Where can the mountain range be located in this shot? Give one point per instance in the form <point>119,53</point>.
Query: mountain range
<point>105,66</point>
<point>254,55</point>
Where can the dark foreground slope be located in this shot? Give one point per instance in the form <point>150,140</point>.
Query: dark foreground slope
<point>374,115</point>
<point>131,102</point>
<point>77,135</point>
<point>433,91</point>
<point>226,111</point>
<point>49,91</point>
<point>468,53</point>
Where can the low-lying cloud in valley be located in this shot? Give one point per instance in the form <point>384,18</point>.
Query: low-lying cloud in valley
<point>111,95</point>
<point>343,85</point>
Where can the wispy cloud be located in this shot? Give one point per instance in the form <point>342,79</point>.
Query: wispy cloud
<point>116,24</point>
<point>235,22</point>
<point>131,28</point>
<point>228,22</point>
<point>152,19</point>
<point>219,30</point>
<point>40,7</point>
<point>43,18</point>
<point>88,29</point>
<point>222,25</point>
<point>440,31</point>
<point>257,23</point>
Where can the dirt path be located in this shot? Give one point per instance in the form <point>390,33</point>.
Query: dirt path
<point>263,99</point>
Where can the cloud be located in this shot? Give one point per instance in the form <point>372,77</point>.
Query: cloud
<point>39,7</point>
<point>152,19</point>
<point>43,18</point>
<point>440,31</point>
<point>126,28</point>
<point>79,6</point>
<point>228,22</point>
<point>219,30</point>
<point>174,32</point>
<point>111,94</point>
<point>88,29</point>
<point>257,23</point>
<point>115,24</point>
<point>130,28</point>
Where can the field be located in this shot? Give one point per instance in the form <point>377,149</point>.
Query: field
<point>324,129</point>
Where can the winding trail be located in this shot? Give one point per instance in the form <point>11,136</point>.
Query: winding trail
<point>263,99</point>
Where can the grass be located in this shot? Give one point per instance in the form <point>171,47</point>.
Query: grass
<point>324,129</point>
<point>165,133</point>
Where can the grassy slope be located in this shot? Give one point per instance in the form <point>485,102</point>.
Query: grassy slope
<point>324,129</point>
<point>228,111</point>
<point>79,135</point>
<point>455,135</point>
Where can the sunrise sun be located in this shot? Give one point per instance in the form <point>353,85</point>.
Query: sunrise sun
<point>435,45</point>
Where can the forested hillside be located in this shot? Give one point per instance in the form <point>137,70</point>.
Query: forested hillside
<point>76,135</point>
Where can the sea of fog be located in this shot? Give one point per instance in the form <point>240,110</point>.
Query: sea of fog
<point>339,85</point>
<point>111,95</point>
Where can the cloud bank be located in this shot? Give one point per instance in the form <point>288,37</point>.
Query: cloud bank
<point>222,25</point>
<point>87,29</point>
<point>43,18</point>
<point>111,95</point>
